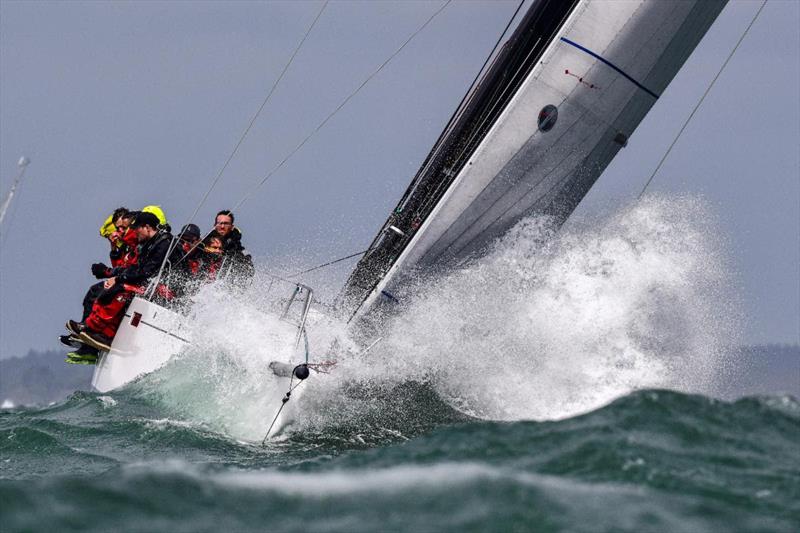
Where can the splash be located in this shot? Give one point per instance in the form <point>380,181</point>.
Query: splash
<point>549,324</point>
<point>222,381</point>
<point>545,326</point>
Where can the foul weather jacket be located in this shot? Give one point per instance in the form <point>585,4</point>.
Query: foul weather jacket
<point>185,273</point>
<point>151,255</point>
<point>124,254</point>
<point>233,250</point>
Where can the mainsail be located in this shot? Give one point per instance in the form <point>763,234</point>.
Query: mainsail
<point>533,134</point>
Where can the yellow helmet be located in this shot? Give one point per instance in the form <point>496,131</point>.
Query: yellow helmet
<point>157,211</point>
<point>108,227</point>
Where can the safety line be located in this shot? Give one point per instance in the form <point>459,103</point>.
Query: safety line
<point>696,107</point>
<point>612,65</point>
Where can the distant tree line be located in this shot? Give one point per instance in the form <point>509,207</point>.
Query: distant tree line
<point>40,378</point>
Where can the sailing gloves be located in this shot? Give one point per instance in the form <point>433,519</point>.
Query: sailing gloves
<point>106,295</point>
<point>100,271</point>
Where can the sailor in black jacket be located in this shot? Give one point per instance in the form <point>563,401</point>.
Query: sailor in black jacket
<point>152,252</point>
<point>233,251</point>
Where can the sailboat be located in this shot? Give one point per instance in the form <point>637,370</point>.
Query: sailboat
<point>546,115</point>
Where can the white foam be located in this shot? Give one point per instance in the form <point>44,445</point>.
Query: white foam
<point>342,482</point>
<point>437,478</point>
<point>107,401</point>
<point>223,380</point>
<point>545,326</point>
<point>168,424</point>
<point>639,299</point>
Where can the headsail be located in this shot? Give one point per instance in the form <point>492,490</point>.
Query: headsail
<point>534,133</point>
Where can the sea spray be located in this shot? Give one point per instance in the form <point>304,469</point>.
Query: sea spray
<point>546,325</point>
<point>223,378</point>
<point>550,324</point>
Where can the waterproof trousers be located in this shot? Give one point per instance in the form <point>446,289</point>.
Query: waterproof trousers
<point>107,315</point>
<point>88,300</point>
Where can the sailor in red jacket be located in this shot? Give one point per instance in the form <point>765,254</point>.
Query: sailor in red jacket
<point>101,325</point>
<point>124,243</point>
<point>185,273</point>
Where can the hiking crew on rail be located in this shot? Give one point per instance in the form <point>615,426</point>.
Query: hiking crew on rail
<point>140,242</point>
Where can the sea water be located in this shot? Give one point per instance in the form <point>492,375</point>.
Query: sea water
<point>564,382</point>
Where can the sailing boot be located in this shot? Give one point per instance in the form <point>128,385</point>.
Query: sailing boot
<point>70,341</point>
<point>75,327</point>
<point>85,355</point>
<point>95,340</point>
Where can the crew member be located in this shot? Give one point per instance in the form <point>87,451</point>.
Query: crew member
<point>113,229</point>
<point>188,257</point>
<point>159,213</point>
<point>186,266</point>
<point>116,229</point>
<point>101,325</point>
<point>233,252</point>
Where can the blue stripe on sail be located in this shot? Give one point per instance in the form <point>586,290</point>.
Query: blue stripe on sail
<point>612,65</point>
<point>390,296</point>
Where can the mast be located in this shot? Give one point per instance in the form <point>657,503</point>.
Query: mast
<point>22,165</point>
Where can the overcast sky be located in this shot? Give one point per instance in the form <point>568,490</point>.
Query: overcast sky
<point>131,103</point>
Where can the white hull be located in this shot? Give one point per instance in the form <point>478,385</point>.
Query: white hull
<point>147,338</point>
<point>150,335</point>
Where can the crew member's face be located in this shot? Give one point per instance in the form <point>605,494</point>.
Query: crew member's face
<point>122,224</point>
<point>214,246</point>
<point>143,233</point>
<point>189,242</point>
<point>223,224</point>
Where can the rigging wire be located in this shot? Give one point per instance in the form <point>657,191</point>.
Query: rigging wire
<point>699,103</point>
<point>327,118</point>
<point>339,107</point>
<point>257,113</point>
<point>328,263</point>
<point>177,238</point>
<point>284,401</point>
